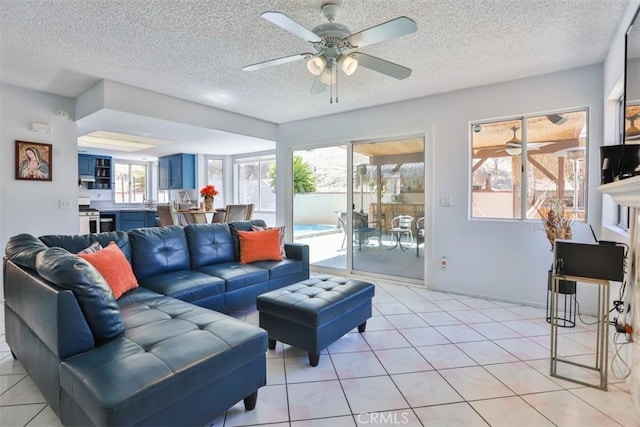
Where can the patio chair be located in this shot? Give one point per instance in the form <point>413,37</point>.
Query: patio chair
<point>401,225</point>
<point>342,224</point>
<point>362,229</point>
<point>419,234</point>
<point>378,216</point>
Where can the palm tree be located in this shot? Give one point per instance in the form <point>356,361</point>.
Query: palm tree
<point>303,177</point>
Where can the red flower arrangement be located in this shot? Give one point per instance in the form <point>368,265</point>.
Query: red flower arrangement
<point>208,191</point>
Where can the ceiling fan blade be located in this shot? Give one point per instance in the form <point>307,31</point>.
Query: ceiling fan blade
<point>288,24</point>
<point>380,65</point>
<point>381,32</point>
<point>318,86</point>
<point>277,61</point>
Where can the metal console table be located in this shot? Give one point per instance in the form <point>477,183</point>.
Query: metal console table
<point>602,331</point>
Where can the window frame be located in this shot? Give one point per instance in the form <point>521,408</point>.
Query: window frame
<point>219,200</point>
<point>524,184</point>
<point>258,160</point>
<point>129,163</point>
<point>622,212</point>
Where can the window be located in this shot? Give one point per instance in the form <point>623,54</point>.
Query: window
<point>253,183</point>
<point>215,177</point>
<point>521,164</point>
<point>130,184</point>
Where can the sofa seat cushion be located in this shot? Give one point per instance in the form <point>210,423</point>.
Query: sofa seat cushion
<point>236,275</point>
<point>185,285</point>
<point>170,349</point>
<point>282,268</point>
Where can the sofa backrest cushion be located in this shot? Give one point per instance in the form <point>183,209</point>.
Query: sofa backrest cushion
<point>78,242</point>
<point>22,250</point>
<point>94,296</point>
<point>209,244</point>
<point>157,250</point>
<point>236,226</point>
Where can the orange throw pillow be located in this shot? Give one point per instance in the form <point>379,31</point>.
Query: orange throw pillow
<point>114,267</point>
<point>259,246</point>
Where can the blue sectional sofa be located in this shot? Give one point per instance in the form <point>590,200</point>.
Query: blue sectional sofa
<point>163,353</point>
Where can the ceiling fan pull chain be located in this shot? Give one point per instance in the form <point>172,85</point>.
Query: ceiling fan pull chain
<point>336,84</point>
<point>330,94</point>
<point>331,87</point>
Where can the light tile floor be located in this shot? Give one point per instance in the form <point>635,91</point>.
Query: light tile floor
<point>427,358</point>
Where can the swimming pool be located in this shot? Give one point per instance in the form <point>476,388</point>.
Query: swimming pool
<point>308,230</point>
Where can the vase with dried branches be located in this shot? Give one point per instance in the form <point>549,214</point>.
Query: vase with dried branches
<point>556,221</point>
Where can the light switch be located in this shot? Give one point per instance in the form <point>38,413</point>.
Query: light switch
<point>446,200</point>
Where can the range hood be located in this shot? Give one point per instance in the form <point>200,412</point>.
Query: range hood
<point>86,178</point>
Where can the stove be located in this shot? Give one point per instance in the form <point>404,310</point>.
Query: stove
<point>89,217</point>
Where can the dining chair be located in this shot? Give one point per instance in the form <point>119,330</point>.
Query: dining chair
<point>195,217</point>
<point>236,213</point>
<point>218,217</point>
<point>249,212</point>
<point>165,214</point>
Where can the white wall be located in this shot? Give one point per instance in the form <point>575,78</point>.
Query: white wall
<point>34,207</point>
<point>507,260</point>
<point>613,82</point>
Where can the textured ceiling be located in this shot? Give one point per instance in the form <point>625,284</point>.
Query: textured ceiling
<point>195,50</point>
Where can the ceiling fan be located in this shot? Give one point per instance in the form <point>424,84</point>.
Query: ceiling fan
<point>513,146</point>
<point>333,47</point>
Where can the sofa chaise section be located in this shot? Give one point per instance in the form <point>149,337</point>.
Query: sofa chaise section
<point>175,364</point>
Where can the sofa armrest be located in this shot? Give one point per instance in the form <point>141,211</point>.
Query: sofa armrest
<point>297,251</point>
<point>51,314</point>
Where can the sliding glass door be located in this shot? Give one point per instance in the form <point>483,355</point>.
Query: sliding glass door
<point>319,200</point>
<point>367,218</point>
<point>388,216</point>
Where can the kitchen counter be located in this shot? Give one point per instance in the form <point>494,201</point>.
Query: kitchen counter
<point>124,219</point>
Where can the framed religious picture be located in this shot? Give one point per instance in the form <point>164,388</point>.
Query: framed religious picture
<point>33,161</point>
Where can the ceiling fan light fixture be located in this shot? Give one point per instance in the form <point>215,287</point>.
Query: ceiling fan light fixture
<point>348,64</point>
<point>316,64</point>
<point>513,151</point>
<point>326,76</point>
<point>513,147</point>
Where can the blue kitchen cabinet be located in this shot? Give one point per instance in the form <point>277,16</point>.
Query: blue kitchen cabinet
<point>103,167</point>
<point>100,168</point>
<point>86,165</point>
<point>177,172</point>
<point>136,219</point>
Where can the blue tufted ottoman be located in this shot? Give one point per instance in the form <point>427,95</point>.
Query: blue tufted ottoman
<point>313,313</point>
